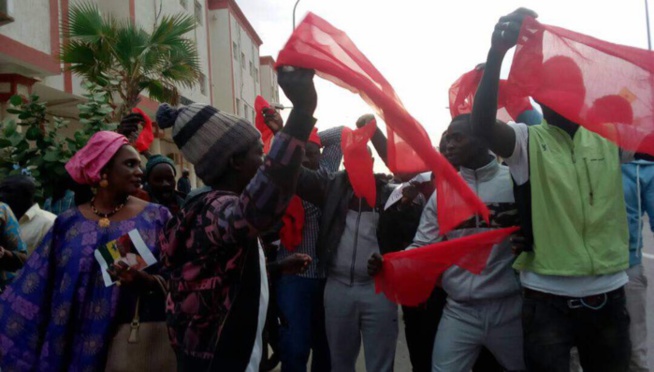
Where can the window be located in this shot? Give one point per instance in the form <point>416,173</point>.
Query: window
<point>235,47</point>
<point>238,107</point>
<point>251,69</point>
<point>243,60</point>
<point>247,112</point>
<point>198,13</point>
<point>184,3</point>
<point>203,84</point>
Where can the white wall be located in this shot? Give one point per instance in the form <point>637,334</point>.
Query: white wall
<point>269,86</point>
<point>31,24</point>
<point>246,81</point>
<point>221,60</point>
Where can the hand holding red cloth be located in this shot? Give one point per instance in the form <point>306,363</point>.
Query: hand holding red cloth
<point>408,277</point>
<point>462,96</point>
<point>606,88</point>
<point>316,44</point>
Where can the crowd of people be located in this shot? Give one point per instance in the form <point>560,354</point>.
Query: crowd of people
<point>277,253</point>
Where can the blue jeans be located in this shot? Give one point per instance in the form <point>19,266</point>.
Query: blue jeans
<point>300,302</point>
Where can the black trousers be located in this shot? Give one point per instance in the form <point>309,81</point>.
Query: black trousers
<point>598,326</point>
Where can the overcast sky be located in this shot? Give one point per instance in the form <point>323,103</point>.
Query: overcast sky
<point>423,46</point>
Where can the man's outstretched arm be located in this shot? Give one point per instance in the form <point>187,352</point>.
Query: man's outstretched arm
<point>501,138</point>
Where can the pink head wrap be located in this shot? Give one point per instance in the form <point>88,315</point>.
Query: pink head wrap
<point>85,166</point>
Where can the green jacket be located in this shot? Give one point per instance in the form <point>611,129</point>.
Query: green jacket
<point>578,211</point>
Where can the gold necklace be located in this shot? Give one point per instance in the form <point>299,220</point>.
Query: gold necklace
<point>104,217</point>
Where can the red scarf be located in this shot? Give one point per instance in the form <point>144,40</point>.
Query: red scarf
<point>317,45</point>
<point>293,223</point>
<point>293,220</point>
<point>409,277</point>
<point>358,161</point>
<point>146,137</point>
<point>605,87</point>
<point>462,95</point>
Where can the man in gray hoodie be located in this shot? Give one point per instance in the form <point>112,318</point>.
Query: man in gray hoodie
<point>482,310</point>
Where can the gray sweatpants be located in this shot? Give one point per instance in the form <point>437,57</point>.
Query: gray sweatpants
<point>355,311</point>
<point>466,327</point>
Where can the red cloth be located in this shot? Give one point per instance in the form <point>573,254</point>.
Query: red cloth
<point>267,135</point>
<point>293,224</point>
<point>293,220</point>
<point>462,95</point>
<point>605,87</point>
<point>146,137</point>
<point>316,44</point>
<point>408,277</point>
<point>358,161</point>
<point>314,138</point>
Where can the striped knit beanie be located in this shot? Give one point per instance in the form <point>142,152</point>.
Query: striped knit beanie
<point>208,138</point>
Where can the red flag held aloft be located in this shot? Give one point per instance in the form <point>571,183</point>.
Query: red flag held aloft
<point>605,87</point>
<point>316,44</point>
<point>462,95</point>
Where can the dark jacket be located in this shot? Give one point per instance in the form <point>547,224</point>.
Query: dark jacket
<point>184,185</point>
<point>333,194</point>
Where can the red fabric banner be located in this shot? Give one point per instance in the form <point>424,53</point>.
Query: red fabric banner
<point>293,223</point>
<point>462,95</point>
<point>358,161</point>
<point>267,135</point>
<point>145,138</point>
<point>409,277</point>
<point>317,45</point>
<point>605,87</point>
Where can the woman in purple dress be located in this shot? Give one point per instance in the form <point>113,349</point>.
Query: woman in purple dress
<point>58,315</point>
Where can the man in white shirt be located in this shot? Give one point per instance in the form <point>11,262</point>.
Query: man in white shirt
<point>18,192</point>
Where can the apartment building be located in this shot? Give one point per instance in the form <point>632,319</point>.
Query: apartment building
<point>228,48</point>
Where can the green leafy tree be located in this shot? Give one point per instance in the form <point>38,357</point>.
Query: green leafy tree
<point>125,60</point>
<point>38,148</point>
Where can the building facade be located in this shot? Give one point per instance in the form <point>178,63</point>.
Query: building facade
<point>268,78</point>
<point>228,49</point>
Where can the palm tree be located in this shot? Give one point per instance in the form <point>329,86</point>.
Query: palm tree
<point>125,60</point>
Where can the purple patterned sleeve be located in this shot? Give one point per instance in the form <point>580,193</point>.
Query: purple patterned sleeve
<point>266,197</point>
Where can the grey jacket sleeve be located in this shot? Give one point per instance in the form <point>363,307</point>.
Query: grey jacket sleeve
<point>428,229</point>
